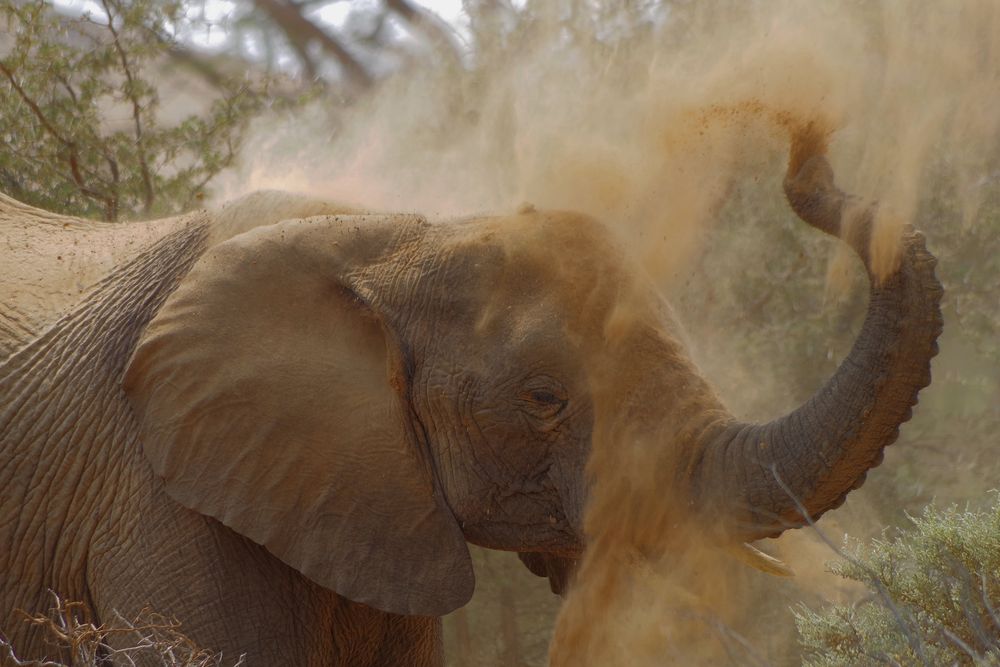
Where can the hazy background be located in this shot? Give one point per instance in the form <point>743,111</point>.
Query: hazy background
<point>658,117</point>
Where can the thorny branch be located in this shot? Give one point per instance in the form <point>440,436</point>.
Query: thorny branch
<point>71,147</point>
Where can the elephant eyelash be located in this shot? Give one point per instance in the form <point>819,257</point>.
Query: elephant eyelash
<point>543,403</point>
<point>545,397</point>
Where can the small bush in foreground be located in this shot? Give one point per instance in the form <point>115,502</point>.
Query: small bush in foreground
<point>148,635</point>
<point>934,597</point>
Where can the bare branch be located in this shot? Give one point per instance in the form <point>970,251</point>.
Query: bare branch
<point>912,638</point>
<point>69,89</point>
<point>197,64</point>
<point>434,29</point>
<point>301,30</point>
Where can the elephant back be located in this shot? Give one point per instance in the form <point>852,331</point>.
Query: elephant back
<point>53,263</point>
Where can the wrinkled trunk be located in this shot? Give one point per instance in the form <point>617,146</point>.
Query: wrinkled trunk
<point>766,477</point>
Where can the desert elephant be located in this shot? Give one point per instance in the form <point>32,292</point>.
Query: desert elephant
<point>282,422</point>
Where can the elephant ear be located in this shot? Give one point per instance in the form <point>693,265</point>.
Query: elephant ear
<point>273,398</point>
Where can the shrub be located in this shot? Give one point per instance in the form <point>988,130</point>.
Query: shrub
<point>934,597</point>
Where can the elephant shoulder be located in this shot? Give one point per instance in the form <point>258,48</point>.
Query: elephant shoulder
<point>51,262</point>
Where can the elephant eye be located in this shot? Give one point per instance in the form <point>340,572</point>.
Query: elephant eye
<point>544,402</point>
<point>545,397</point>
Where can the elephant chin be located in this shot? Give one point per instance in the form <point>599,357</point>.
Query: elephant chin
<point>558,569</point>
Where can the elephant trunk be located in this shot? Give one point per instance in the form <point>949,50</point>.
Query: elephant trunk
<point>769,477</point>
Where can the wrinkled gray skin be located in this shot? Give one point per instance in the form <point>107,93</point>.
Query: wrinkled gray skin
<point>281,424</point>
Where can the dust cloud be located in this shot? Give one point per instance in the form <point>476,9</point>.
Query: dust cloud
<point>647,132</point>
<point>647,119</point>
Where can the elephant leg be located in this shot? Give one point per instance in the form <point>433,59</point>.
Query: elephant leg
<point>369,637</point>
<point>231,595</point>
<point>228,594</point>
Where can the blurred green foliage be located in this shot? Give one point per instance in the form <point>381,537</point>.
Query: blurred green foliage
<point>80,113</point>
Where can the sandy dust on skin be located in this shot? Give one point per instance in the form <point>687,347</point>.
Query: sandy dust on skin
<point>649,135</point>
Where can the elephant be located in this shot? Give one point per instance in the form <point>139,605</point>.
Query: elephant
<point>282,421</point>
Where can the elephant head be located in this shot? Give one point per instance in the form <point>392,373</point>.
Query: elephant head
<point>364,394</point>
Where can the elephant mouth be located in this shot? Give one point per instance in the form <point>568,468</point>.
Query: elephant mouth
<point>559,570</point>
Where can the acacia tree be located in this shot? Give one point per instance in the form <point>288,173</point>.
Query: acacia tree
<point>375,38</point>
<point>63,83</point>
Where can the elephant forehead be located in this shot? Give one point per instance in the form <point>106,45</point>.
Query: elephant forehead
<point>529,272</point>
<point>565,235</point>
<point>573,264</point>
<point>559,253</point>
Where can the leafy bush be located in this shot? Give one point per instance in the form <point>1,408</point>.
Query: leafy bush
<point>934,597</point>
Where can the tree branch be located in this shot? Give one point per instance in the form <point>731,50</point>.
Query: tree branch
<point>199,65</point>
<point>431,25</point>
<point>301,30</point>
<point>130,90</point>
<point>73,158</point>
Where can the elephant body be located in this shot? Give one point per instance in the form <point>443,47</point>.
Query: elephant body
<point>281,422</point>
<point>80,511</point>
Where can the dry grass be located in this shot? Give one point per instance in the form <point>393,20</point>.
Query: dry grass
<point>68,629</point>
